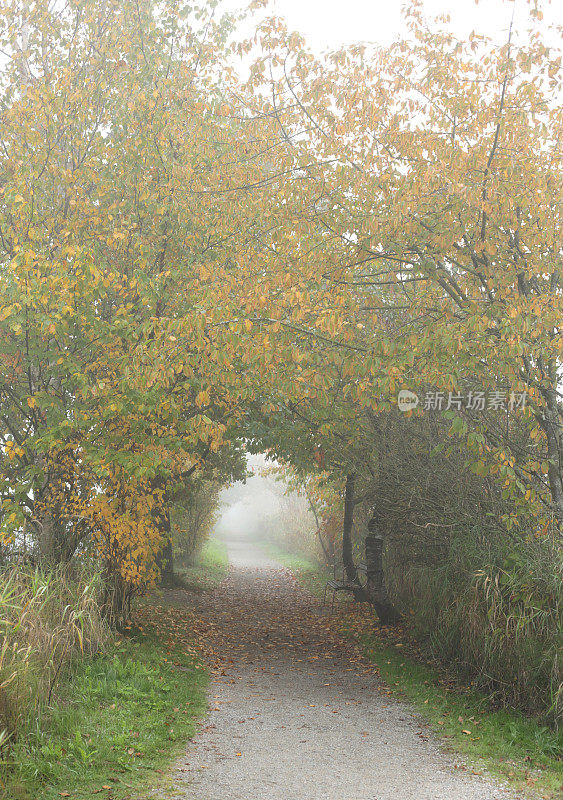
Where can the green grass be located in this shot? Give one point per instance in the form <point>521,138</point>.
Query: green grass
<point>210,567</point>
<point>504,743</point>
<point>118,720</point>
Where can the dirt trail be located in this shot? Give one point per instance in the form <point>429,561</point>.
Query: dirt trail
<point>296,714</point>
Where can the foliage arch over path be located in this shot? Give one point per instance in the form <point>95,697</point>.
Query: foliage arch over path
<point>189,260</point>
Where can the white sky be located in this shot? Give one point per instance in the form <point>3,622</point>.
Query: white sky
<point>327,24</point>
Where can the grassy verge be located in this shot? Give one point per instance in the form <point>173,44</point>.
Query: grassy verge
<point>504,743</point>
<point>210,567</point>
<point>118,722</point>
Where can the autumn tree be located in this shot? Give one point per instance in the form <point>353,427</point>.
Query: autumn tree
<point>152,268</point>
<point>113,333</point>
<point>438,170</point>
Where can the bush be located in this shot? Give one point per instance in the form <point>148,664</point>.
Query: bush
<point>494,616</point>
<point>480,595</point>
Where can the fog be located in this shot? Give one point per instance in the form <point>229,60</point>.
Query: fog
<point>261,508</point>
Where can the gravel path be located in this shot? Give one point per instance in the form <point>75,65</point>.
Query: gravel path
<point>297,715</point>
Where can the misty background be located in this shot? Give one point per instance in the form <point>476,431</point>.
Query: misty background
<point>265,508</point>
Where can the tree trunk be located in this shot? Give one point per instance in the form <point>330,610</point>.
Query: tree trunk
<point>165,557</point>
<point>375,587</point>
<point>327,555</point>
<point>347,554</point>
<point>166,561</point>
<point>347,526</point>
<point>553,428</point>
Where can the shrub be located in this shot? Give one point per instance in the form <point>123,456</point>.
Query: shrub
<point>481,595</point>
<point>494,615</point>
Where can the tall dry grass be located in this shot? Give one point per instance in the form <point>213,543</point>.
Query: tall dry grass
<point>484,597</point>
<point>47,619</point>
<point>492,611</point>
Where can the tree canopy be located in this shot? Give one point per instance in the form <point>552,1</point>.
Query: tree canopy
<point>191,259</point>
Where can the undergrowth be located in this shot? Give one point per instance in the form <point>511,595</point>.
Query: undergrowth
<point>119,720</point>
<point>492,611</point>
<point>47,620</point>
